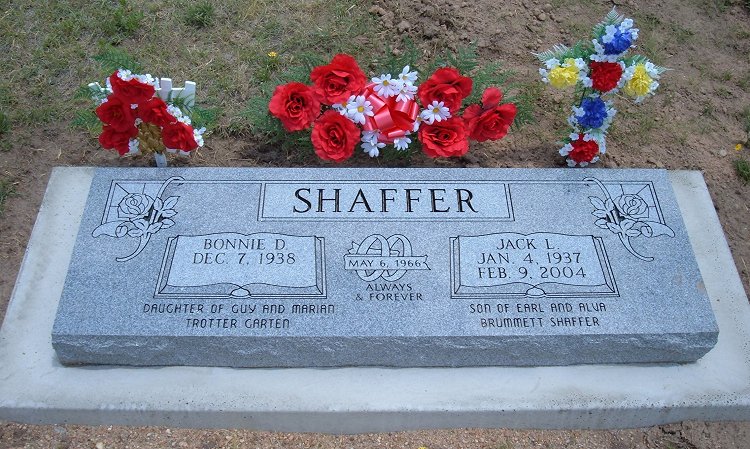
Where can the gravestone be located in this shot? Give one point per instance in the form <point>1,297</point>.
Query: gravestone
<point>401,267</point>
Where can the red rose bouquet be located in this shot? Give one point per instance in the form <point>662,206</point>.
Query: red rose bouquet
<point>344,109</point>
<point>136,118</point>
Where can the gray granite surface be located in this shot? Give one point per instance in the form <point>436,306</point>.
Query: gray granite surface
<point>384,267</point>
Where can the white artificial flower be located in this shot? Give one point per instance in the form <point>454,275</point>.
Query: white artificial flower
<point>401,143</point>
<point>133,146</point>
<point>599,56</point>
<point>146,79</point>
<point>417,122</point>
<point>340,108</point>
<point>408,77</point>
<point>138,121</point>
<point>357,108</point>
<point>407,92</point>
<point>372,149</point>
<point>436,111</point>
<point>174,111</point>
<point>125,75</point>
<point>609,33</point>
<point>198,136</point>
<point>370,136</point>
<point>551,63</point>
<point>385,86</point>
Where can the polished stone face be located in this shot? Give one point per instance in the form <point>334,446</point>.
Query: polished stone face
<point>390,267</point>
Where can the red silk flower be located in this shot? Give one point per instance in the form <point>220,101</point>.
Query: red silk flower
<point>132,90</point>
<point>112,139</point>
<point>605,75</point>
<point>155,111</point>
<point>295,105</point>
<point>179,136</point>
<point>446,85</point>
<point>334,137</point>
<point>583,150</point>
<point>446,138</point>
<point>117,113</point>
<point>491,120</point>
<point>336,82</point>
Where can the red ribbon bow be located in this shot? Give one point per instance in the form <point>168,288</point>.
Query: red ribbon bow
<point>392,118</point>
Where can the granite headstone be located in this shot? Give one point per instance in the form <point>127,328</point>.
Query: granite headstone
<point>383,267</point>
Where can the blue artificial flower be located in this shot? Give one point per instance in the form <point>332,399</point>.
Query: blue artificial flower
<point>620,42</point>
<point>594,113</point>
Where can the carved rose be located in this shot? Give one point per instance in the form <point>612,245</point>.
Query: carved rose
<point>632,206</point>
<point>134,205</point>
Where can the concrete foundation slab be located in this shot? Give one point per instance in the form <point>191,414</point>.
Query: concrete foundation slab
<point>35,388</point>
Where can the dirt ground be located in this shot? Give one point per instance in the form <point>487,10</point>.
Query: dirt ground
<point>701,112</point>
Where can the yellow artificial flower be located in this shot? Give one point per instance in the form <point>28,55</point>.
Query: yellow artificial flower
<point>640,84</point>
<point>561,77</point>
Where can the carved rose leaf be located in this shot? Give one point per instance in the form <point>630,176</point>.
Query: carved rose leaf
<point>597,202</point>
<point>170,202</point>
<point>599,213</point>
<point>653,229</point>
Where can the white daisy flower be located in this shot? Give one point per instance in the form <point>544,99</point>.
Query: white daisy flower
<point>401,143</point>
<point>408,77</point>
<point>385,86</point>
<point>436,111</point>
<point>340,108</point>
<point>372,149</point>
<point>357,108</point>
<point>407,92</point>
<point>417,122</point>
<point>370,137</point>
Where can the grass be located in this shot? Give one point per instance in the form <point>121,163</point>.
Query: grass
<point>743,169</point>
<point>4,123</point>
<point>49,49</point>
<point>745,117</point>
<point>124,22</point>
<point>200,15</point>
<point>7,189</point>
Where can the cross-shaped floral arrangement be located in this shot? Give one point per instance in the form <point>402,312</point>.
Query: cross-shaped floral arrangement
<point>598,70</point>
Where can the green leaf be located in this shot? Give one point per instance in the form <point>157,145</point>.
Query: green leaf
<point>112,59</point>
<point>612,18</point>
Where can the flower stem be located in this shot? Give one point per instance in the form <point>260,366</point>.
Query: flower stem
<point>583,95</point>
